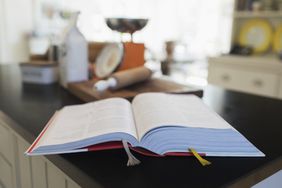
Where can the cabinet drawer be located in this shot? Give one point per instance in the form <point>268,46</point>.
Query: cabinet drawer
<point>54,177</point>
<point>39,177</point>
<point>24,164</point>
<point>6,145</point>
<point>6,173</point>
<point>253,82</point>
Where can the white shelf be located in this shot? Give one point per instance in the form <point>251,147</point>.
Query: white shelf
<point>258,14</point>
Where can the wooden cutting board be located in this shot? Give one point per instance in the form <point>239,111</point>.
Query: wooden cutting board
<point>84,91</point>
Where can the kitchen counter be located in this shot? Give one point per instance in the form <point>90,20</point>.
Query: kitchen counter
<point>28,107</point>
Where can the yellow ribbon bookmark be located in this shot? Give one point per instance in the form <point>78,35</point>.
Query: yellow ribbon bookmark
<point>203,161</point>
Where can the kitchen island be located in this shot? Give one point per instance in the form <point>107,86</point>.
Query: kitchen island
<point>26,108</point>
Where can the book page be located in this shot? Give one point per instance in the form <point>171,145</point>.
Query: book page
<point>152,110</point>
<point>79,122</point>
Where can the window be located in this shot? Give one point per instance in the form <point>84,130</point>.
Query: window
<point>203,27</point>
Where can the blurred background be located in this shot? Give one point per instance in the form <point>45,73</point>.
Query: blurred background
<point>202,32</point>
<point>200,28</point>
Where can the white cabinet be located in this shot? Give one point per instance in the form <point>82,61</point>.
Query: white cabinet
<point>7,160</point>
<point>259,74</point>
<point>24,164</point>
<point>249,75</point>
<point>253,82</point>
<point>20,171</point>
<point>6,148</point>
<point>38,169</point>
<point>54,177</point>
<point>6,174</point>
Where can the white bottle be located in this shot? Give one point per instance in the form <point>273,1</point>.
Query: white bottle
<point>73,60</point>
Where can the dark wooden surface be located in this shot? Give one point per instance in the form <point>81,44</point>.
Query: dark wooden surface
<point>84,90</point>
<point>258,118</point>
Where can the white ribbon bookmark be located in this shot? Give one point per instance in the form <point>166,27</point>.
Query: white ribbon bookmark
<point>132,161</point>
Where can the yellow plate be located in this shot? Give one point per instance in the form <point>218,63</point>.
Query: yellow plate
<point>277,39</point>
<point>256,33</point>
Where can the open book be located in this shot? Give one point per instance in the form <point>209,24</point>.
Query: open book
<point>154,124</point>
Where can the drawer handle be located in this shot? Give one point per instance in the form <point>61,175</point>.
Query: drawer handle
<point>225,77</point>
<point>258,83</point>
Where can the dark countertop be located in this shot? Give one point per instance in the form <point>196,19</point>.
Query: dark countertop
<point>257,118</point>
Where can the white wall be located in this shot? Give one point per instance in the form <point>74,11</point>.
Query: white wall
<point>1,31</point>
<point>15,23</point>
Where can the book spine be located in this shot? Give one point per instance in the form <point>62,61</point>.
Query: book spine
<point>30,149</point>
